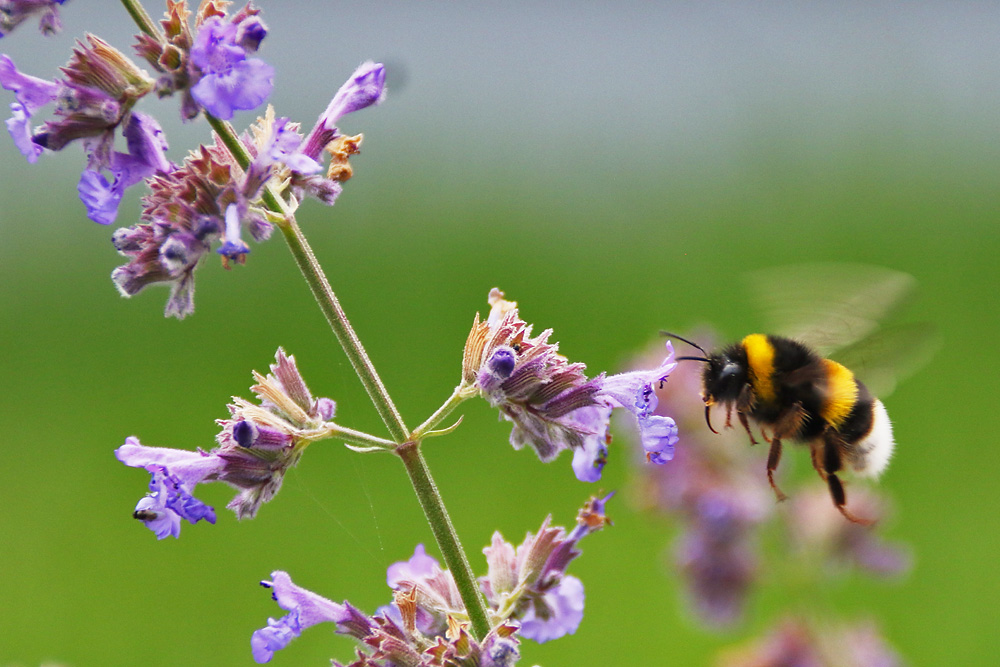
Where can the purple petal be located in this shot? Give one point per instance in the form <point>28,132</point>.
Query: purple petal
<point>32,92</point>
<point>658,435</point>
<point>233,247</point>
<point>100,197</point>
<point>418,566</point>
<point>19,126</point>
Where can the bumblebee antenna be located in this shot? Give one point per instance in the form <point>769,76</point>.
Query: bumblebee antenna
<point>692,359</point>
<point>685,340</point>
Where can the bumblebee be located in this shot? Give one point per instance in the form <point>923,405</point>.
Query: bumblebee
<point>790,390</point>
<point>795,393</point>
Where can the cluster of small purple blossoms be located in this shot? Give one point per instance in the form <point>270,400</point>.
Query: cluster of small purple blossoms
<point>256,446</point>
<point>527,588</point>
<point>211,199</point>
<point>211,67</point>
<point>550,401</point>
<point>15,12</point>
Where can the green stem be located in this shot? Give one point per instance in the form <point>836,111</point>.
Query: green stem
<point>460,394</point>
<point>322,292</point>
<point>444,533</point>
<point>359,438</point>
<point>142,19</point>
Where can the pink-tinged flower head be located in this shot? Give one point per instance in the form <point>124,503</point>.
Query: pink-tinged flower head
<point>15,12</point>
<point>551,403</point>
<point>530,583</point>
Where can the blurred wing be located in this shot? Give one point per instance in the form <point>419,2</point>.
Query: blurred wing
<point>889,355</point>
<point>827,306</point>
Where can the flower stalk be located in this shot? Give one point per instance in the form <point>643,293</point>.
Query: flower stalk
<point>445,535</point>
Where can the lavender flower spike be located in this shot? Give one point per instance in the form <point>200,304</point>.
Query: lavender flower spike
<point>229,81</point>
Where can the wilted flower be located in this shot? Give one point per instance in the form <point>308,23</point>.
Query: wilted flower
<point>14,12</point>
<point>256,447</point>
<point>550,401</point>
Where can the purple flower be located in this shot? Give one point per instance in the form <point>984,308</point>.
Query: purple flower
<point>229,80</point>
<point>364,88</point>
<point>530,583</point>
<point>636,392</point>
<point>147,155</point>
<point>175,474</point>
<point>14,12</point>
<point>550,401</point>
<point>256,448</point>
<point>562,607</point>
<point>32,94</point>
<point>305,609</point>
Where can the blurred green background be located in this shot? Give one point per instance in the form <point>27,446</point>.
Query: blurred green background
<point>614,170</point>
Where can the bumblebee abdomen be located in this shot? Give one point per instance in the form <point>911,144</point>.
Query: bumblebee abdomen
<point>840,395</point>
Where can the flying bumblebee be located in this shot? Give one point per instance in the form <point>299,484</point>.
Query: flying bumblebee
<point>789,387</point>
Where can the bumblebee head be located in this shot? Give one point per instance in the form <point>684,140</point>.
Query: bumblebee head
<point>725,375</point>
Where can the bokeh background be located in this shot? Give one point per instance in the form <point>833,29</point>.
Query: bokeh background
<point>615,169</point>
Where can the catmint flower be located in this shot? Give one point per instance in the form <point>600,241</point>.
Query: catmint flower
<point>227,79</point>
<point>256,446</point>
<point>100,87</point>
<point>147,155</point>
<point>15,12</point>
<point>550,401</point>
<point>364,88</point>
<point>305,609</point>
<point>32,94</point>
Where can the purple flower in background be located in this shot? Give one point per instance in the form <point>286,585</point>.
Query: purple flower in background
<point>794,642</point>
<point>15,12</point>
<point>229,80</point>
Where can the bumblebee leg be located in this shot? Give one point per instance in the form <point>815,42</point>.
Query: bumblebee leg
<point>746,425</point>
<point>773,457</point>
<point>831,464</point>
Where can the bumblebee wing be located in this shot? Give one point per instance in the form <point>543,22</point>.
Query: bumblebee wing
<point>828,306</point>
<point>890,354</point>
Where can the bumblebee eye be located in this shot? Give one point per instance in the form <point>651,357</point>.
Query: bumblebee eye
<point>729,370</point>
